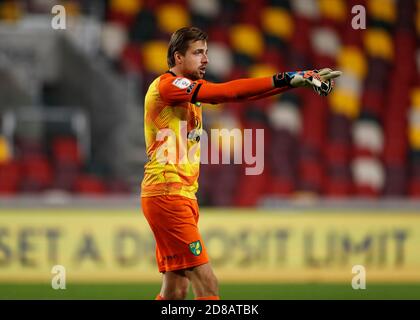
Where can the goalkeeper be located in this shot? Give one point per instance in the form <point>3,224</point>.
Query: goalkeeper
<point>172,102</point>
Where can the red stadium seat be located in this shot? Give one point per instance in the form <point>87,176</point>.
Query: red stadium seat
<point>337,153</point>
<point>116,186</point>
<point>338,188</point>
<point>364,191</point>
<point>279,186</point>
<point>396,182</point>
<point>65,175</point>
<point>372,102</point>
<point>66,150</point>
<point>414,189</point>
<point>89,185</point>
<point>10,177</point>
<point>249,189</point>
<point>312,177</point>
<point>37,174</point>
<point>131,58</point>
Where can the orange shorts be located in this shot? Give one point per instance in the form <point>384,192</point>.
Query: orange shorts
<point>173,220</point>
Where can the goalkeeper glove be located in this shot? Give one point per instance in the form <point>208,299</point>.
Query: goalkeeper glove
<point>320,80</point>
<point>327,81</point>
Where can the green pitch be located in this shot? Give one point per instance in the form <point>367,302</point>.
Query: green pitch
<point>227,291</point>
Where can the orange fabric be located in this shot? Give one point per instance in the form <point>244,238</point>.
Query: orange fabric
<point>178,89</point>
<point>270,93</point>
<point>236,90</point>
<point>168,109</point>
<point>173,220</point>
<point>174,89</point>
<point>174,103</point>
<point>208,298</point>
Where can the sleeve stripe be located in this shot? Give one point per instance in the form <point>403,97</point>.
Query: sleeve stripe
<point>194,96</point>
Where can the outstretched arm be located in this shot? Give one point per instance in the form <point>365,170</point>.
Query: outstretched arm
<point>234,91</point>
<point>177,90</point>
<point>270,93</point>
<point>259,88</point>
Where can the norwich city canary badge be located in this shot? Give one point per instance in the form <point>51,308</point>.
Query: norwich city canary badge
<point>195,247</point>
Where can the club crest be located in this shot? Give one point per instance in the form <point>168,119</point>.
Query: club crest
<point>195,247</point>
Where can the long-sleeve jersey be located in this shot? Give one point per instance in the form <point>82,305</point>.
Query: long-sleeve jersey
<point>173,123</point>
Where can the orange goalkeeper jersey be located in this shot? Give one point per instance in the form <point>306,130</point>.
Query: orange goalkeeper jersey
<point>172,127</point>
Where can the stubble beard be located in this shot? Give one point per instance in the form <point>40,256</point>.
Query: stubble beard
<point>194,75</point>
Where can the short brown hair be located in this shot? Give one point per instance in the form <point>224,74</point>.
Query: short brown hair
<point>180,41</point>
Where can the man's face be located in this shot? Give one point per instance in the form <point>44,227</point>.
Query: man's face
<point>195,60</point>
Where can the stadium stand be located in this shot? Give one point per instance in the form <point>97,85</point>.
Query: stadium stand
<point>362,141</point>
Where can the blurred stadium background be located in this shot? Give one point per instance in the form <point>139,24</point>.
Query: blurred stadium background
<point>341,181</point>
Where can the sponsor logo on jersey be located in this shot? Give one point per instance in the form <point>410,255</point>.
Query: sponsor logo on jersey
<point>191,87</point>
<point>181,83</point>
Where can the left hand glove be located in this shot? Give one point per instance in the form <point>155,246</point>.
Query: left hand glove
<point>324,82</point>
<point>320,80</point>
